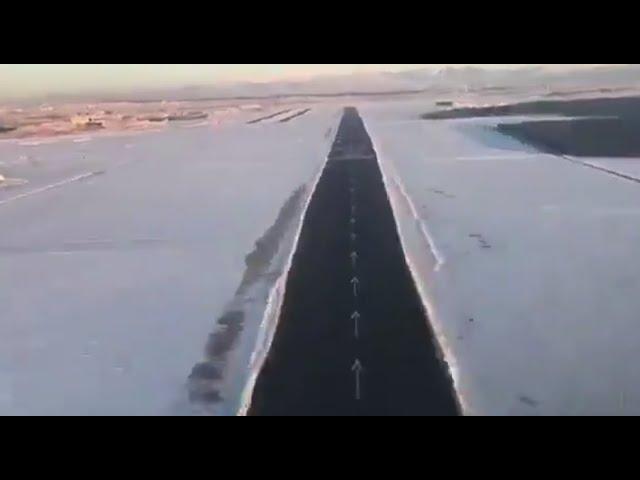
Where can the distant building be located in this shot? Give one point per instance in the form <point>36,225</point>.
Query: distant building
<point>85,121</point>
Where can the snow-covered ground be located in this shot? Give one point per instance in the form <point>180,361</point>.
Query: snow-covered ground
<point>119,253</point>
<point>110,283</point>
<point>529,263</point>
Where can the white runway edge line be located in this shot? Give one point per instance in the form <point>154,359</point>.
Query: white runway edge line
<point>271,315</point>
<point>434,323</point>
<point>53,186</point>
<point>437,255</point>
<point>435,251</point>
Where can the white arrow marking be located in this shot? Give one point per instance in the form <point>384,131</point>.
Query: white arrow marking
<point>357,369</point>
<point>355,282</point>
<point>353,237</point>
<point>354,258</point>
<point>355,316</point>
<point>353,220</point>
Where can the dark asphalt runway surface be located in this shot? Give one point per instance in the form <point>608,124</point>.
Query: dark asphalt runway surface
<point>353,337</point>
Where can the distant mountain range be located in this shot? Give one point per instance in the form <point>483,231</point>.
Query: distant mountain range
<point>443,79</point>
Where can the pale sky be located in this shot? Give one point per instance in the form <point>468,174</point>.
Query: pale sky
<point>25,80</point>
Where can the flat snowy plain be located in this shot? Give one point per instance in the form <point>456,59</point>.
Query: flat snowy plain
<point>529,263</point>
<point>121,252</point>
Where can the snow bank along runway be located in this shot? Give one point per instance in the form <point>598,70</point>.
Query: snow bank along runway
<point>352,337</point>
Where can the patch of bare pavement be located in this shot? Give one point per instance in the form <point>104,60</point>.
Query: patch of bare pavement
<point>599,127</point>
<point>295,115</point>
<point>353,337</point>
<point>589,107</point>
<point>584,137</point>
<point>268,117</point>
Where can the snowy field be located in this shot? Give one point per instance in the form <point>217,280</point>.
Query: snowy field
<point>121,252</point>
<point>529,263</point>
